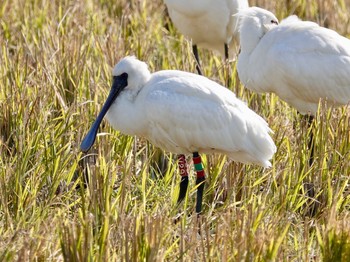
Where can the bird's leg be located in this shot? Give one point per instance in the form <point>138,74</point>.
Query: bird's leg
<point>198,64</point>
<point>311,144</point>
<point>226,52</point>
<point>309,186</point>
<point>184,177</point>
<point>197,161</point>
<point>228,75</point>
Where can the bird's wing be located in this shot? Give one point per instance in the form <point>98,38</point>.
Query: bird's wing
<point>189,113</point>
<point>305,62</point>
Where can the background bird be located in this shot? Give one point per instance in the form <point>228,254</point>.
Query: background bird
<point>300,61</point>
<point>208,23</point>
<point>183,113</point>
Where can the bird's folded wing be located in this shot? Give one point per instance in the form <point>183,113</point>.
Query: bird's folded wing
<point>313,61</point>
<point>196,114</point>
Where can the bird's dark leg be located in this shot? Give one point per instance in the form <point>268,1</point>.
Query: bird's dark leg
<point>198,64</point>
<point>184,177</point>
<point>311,144</point>
<point>197,161</point>
<point>228,74</point>
<point>309,187</point>
<point>226,52</point>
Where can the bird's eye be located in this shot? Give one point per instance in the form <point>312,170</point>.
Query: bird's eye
<point>274,22</point>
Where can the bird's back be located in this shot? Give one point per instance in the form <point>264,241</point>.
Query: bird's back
<point>302,63</point>
<point>188,113</point>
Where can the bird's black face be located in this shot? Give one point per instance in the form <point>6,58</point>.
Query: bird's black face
<point>119,83</point>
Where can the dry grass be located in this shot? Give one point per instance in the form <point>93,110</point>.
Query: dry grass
<point>55,66</point>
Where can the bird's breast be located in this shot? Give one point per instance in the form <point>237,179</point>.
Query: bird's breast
<point>127,116</point>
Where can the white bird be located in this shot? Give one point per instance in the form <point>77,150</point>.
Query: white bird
<point>209,23</point>
<point>298,60</point>
<point>183,113</point>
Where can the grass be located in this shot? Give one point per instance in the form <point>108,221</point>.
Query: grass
<point>56,59</point>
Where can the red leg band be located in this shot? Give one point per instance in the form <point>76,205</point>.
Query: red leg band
<point>182,165</point>
<point>197,161</point>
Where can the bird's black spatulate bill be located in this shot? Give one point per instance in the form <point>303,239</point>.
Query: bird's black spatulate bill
<point>119,83</point>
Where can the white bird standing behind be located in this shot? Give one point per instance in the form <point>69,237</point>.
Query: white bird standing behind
<point>209,23</point>
<point>299,61</point>
<point>183,113</point>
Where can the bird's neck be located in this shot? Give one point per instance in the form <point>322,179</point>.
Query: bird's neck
<point>126,115</point>
<point>251,32</point>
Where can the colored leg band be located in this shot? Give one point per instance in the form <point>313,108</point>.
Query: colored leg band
<point>198,166</point>
<point>184,177</point>
<point>182,165</point>
<point>197,161</point>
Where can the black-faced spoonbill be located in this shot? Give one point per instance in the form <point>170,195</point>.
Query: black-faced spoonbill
<point>298,60</point>
<point>183,113</point>
<point>209,23</point>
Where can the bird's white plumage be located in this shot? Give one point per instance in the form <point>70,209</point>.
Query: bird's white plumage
<point>209,23</point>
<point>298,60</point>
<point>184,113</point>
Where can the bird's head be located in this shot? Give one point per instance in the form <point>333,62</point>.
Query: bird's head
<point>134,71</point>
<point>254,23</point>
<point>257,17</point>
<point>130,73</point>
<point>267,20</point>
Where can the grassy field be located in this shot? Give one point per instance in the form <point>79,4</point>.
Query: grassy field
<point>55,72</point>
